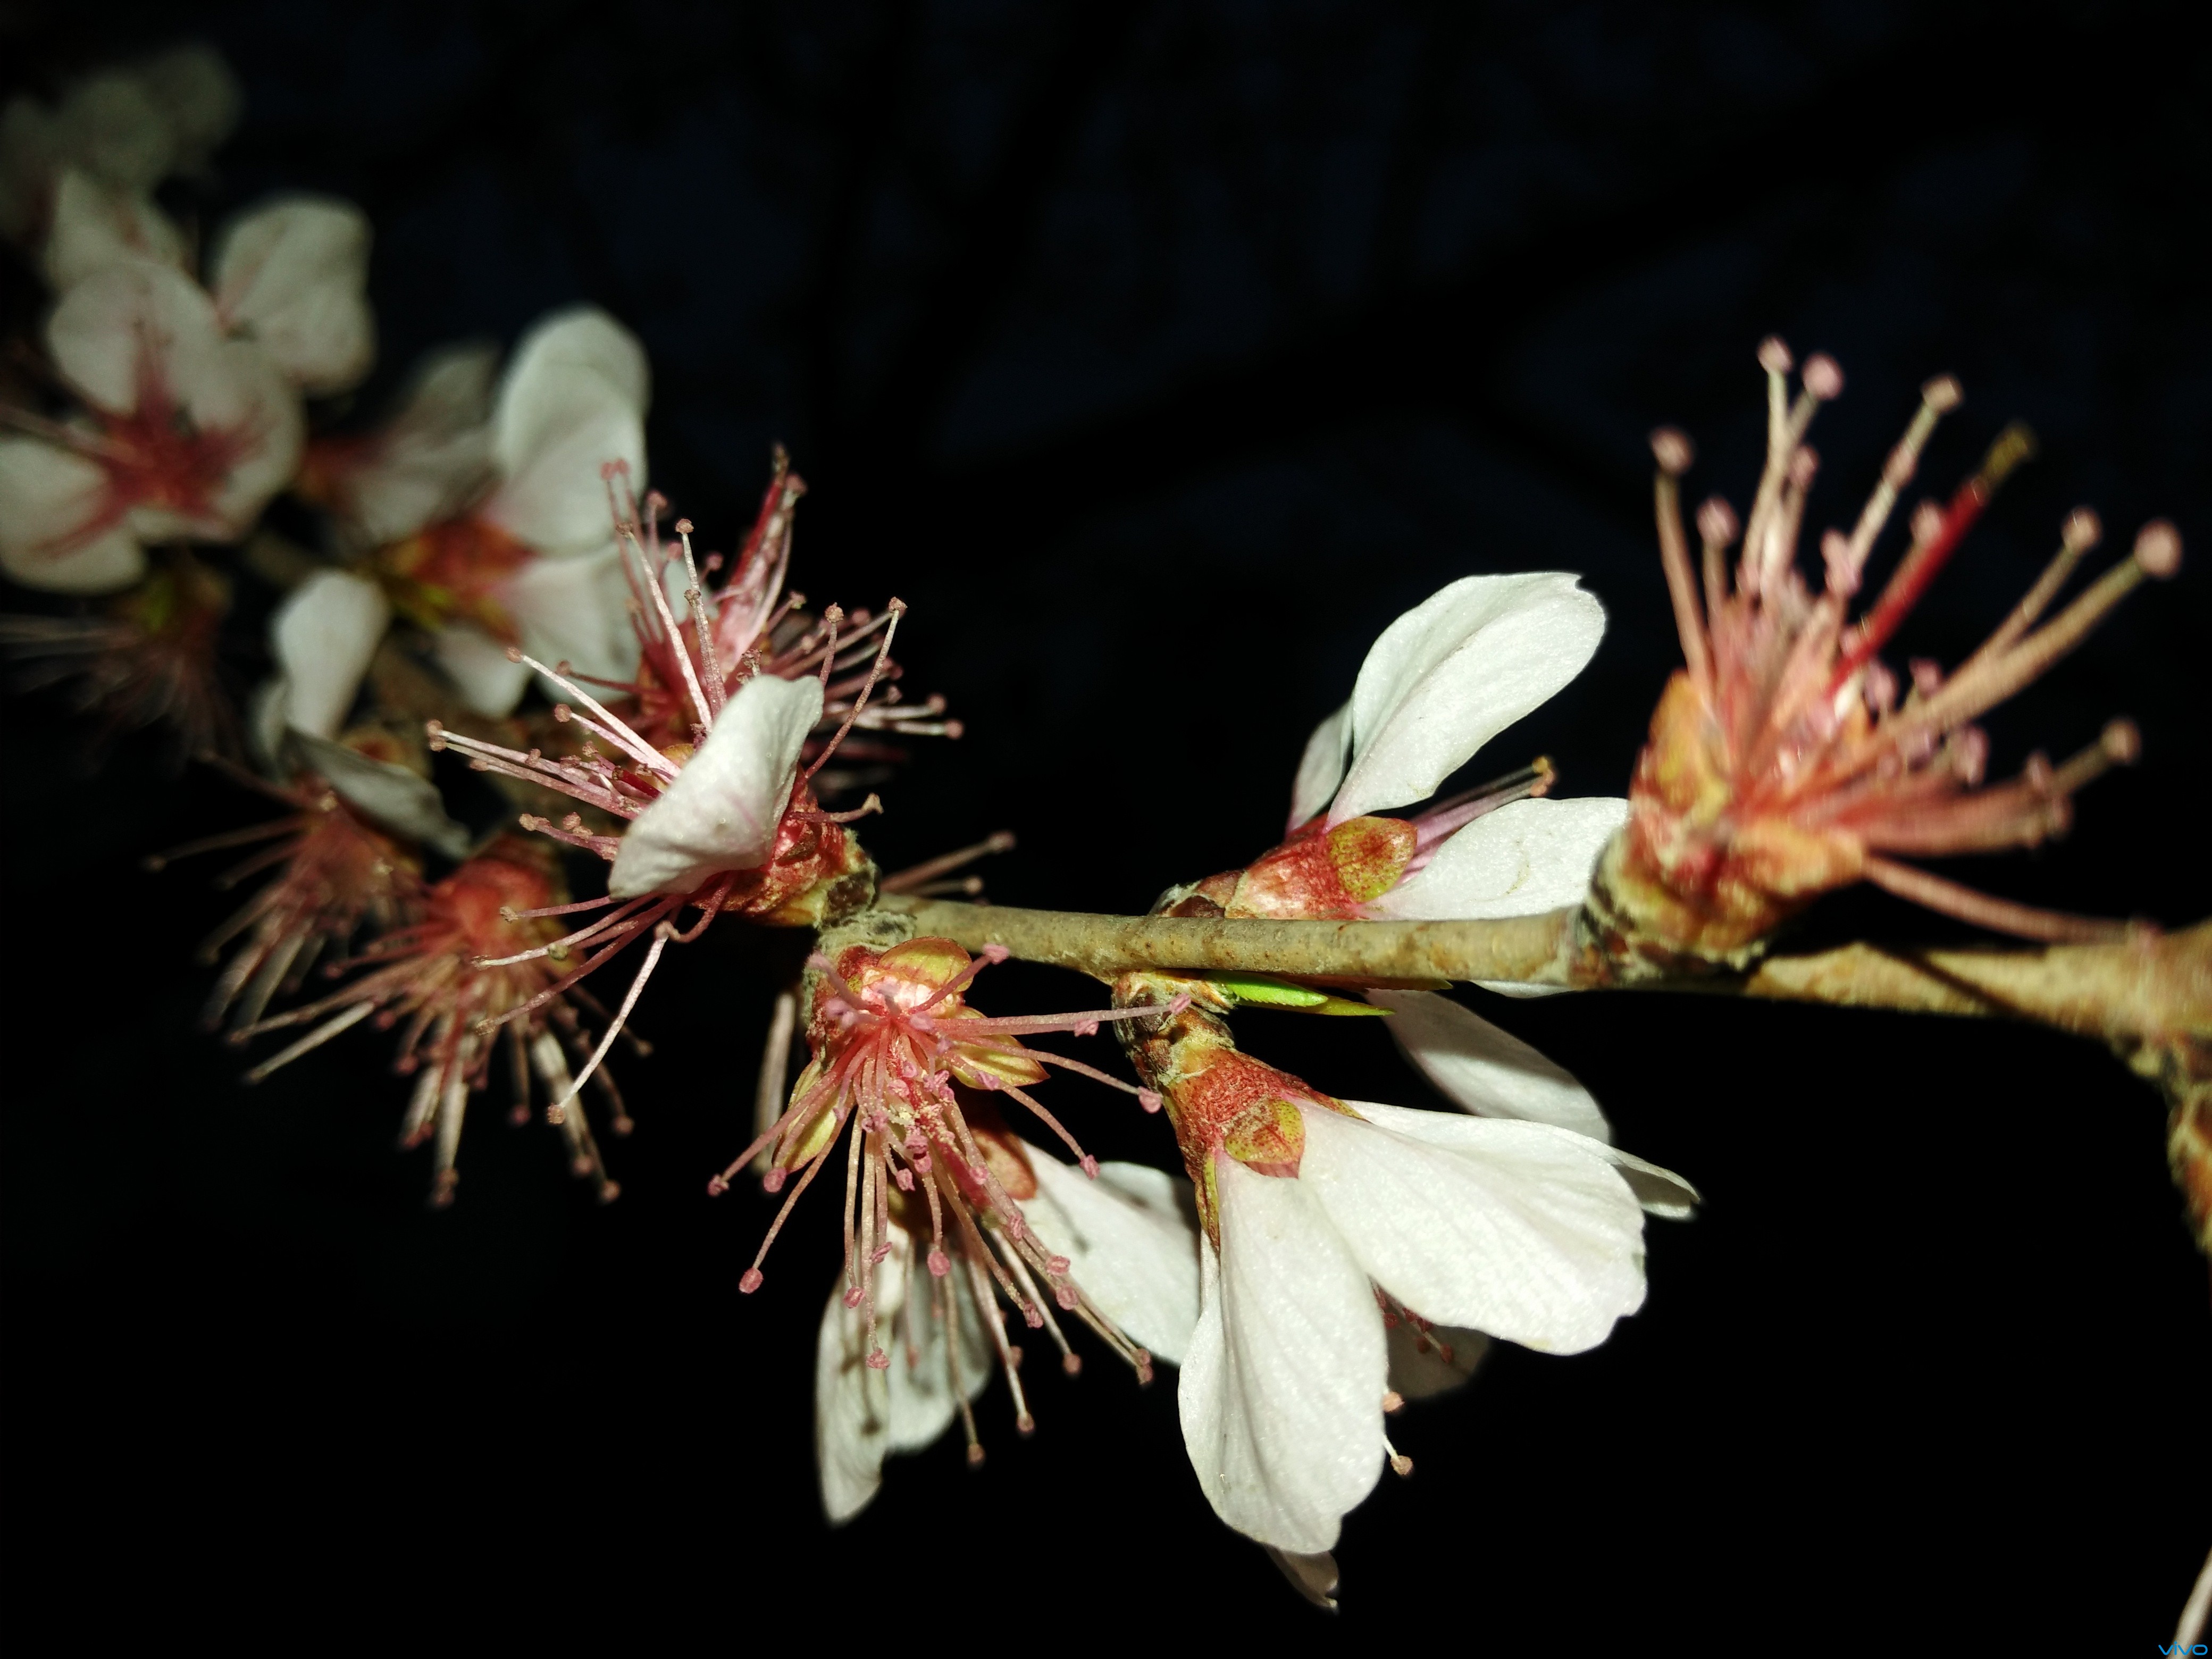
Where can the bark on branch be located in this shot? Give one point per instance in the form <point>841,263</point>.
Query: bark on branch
<point>1521,948</point>
<point>2155,988</point>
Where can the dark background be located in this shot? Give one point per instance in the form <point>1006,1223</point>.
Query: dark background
<point>1158,356</point>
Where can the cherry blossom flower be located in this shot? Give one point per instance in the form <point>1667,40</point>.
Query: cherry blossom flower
<point>1440,682</point>
<point>322,639</point>
<point>290,275</point>
<point>126,129</point>
<point>751,624</point>
<point>147,659</point>
<point>491,530</point>
<point>932,1177</point>
<point>1783,762</point>
<point>1329,1223</point>
<point>335,872</point>
<point>187,434</point>
<point>452,973</point>
<point>429,462</point>
<point>1128,1239</point>
<point>725,823</point>
<point>896,1045</point>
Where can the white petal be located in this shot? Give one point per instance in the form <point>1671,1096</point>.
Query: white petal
<point>576,611</point>
<point>389,795</point>
<point>852,1400</point>
<point>50,501</point>
<point>1320,768</point>
<point>1424,1364</point>
<point>477,664</point>
<point>242,391</point>
<point>1281,1391</point>
<point>292,276</point>
<point>721,812</point>
<point>582,336</point>
<point>322,637</point>
<point>1452,673</point>
<point>112,126</point>
<point>1520,1230</point>
<point>95,227</point>
<point>194,88</point>
<point>434,457</point>
<point>1130,1240</point>
<point>1660,1191</point>
<point>1313,1577</point>
<point>922,1402</point>
<point>1483,1069</point>
<point>860,1413</point>
<point>1526,858</point>
<point>573,401</point>
<point>125,317</point>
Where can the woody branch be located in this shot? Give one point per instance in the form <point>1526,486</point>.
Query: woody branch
<point>2154,987</point>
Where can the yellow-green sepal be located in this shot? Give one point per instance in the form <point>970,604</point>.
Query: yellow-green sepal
<point>1262,991</point>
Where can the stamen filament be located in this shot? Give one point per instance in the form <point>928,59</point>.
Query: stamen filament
<point>1674,454</point>
<point>314,1039</point>
<point>2000,915</point>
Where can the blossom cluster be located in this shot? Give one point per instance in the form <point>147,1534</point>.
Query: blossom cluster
<point>497,588</point>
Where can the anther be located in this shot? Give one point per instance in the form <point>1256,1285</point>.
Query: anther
<point>751,1282</point>
<point>1716,522</point>
<point>1072,1364</point>
<point>2158,548</point>
<point>1672,448</point>
<point>1823,378</point>
<point>1774,356</point>
<point>2082,531</point>
<point>2121,742</point>
<point>1942,394</point>
<point>1392,1400</point>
